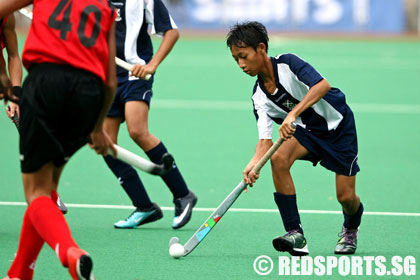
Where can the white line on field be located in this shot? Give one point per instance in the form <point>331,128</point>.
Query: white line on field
<point>247,210</point>
<point>245,105</point>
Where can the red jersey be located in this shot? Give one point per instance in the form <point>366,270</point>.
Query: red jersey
<point>73,32</point>
<point>2,42</point>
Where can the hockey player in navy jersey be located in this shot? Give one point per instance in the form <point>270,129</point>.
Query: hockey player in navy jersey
<point>132,103</point>
<point>288,90</point>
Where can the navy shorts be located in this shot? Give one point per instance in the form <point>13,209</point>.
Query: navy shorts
<point>335,150</point>
<point>58,110</point>
<point>134,90</point>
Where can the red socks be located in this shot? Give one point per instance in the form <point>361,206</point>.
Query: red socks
<point>30,244</point>
<point>50,224</point>
<point>42,222</point>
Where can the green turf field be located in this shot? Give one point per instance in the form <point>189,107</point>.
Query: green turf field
<point>202,111</point>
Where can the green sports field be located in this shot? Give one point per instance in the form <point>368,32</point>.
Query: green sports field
<point>202,111</point>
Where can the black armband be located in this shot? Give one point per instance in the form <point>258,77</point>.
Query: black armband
<point>17,91</point>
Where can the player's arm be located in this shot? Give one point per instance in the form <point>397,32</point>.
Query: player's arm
<point>14,64</point>
<point>100,140</point>
<point>9,6</point>
<point>5,84</point>
<point>265,130</point>
<point>314,94</point>
<point>262,147</point>
<point>169,39</point>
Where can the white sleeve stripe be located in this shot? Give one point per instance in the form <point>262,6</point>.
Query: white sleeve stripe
<point>133,21</point>
<point>174,26</point>
<point>299,89</point>
<point>264,123</point>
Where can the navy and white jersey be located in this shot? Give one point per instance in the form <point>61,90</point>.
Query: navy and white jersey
<point>294,77</point>
<point>134,17</point>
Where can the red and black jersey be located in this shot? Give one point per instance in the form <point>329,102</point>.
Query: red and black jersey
<point>2,40</point>
<point>73,32</point>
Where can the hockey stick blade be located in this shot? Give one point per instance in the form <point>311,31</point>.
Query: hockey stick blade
<point>215,217</point>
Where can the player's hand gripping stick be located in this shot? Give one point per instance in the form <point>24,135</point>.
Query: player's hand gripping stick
<point>127,66</point>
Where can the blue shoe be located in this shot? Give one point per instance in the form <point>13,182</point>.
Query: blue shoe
<point>140,217</point>
<point>183,210</point>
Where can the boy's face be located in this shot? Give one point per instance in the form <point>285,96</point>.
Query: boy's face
<point>248,59</point>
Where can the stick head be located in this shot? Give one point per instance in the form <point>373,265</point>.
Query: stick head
<point>176,250</point>
<point>173,241</point>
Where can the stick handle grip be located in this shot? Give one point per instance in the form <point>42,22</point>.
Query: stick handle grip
<point>127,66</point>
<point>268,154</point>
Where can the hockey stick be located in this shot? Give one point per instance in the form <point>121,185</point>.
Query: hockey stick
<point>121,63</point>
<point>15,120</point>
<point>143,164</point>
<point>132,159</point>
<point>211,221</point>
<point>127,66</point>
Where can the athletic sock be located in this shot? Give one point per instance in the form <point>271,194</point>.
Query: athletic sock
<point>173,179</point>
<point>30,244</point>
<point>289,212</point>
<point>353,221</point>
<point>130,181</point>
<point>51,226</point>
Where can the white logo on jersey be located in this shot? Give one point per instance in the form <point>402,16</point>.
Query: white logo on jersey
<point>281,96</point>
<point>118,18</point>
<point>288,104</point>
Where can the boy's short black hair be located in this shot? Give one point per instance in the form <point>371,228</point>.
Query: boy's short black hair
<point>247,34</point>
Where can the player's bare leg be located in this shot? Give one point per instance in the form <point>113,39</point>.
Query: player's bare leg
<point>285,197</point>
<point>42,185</point>
<point>145,211</point>
<point>44,222</point>
<point>112,126</point>
<point>282,161</point>
<point>346,193</point>
<point>38,183</point>
<point>136,115</point>
<point>54,194</point>
<point>353,210</point>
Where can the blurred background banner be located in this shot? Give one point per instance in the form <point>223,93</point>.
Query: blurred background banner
<point>294,15</point>
<point>301,16</point>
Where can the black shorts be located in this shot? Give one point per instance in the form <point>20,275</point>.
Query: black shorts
<point>59,107</point>
<point>335,150</point>
<point>131,90</point>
